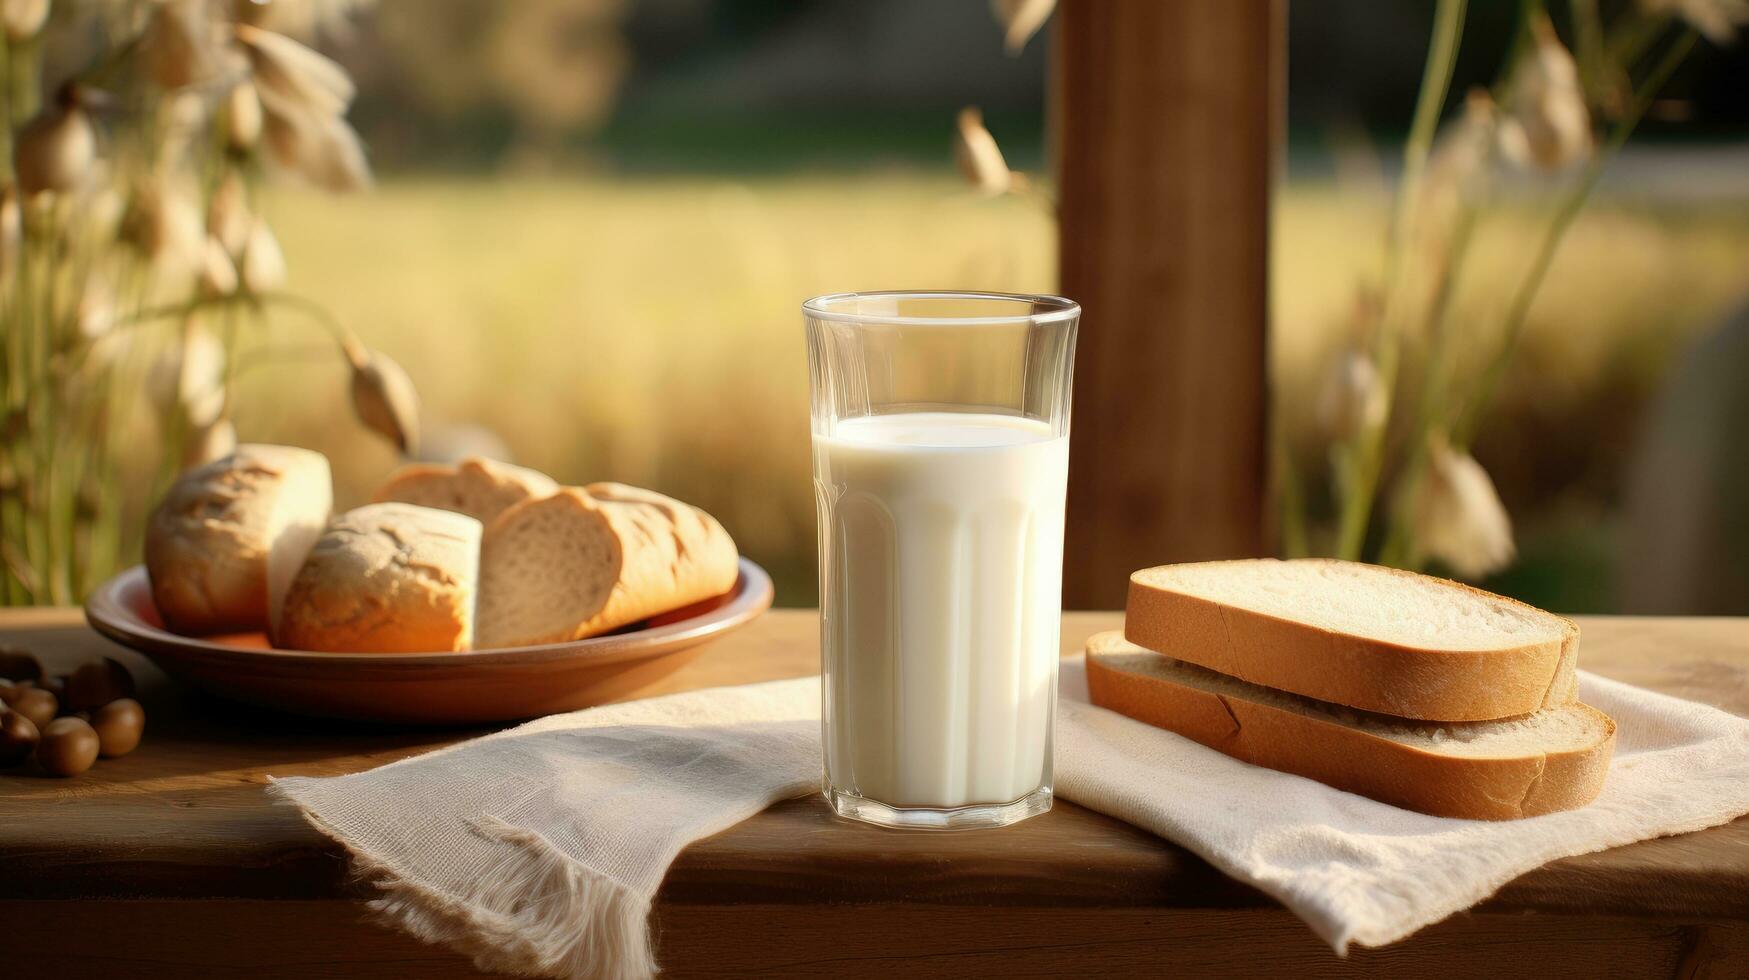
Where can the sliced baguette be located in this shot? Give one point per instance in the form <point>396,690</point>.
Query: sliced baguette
<point>478,487</point>
<point>1373,638</point>
<point>1550,760</point>
<point>386,578</point>
<point>584,561</point>
<point>226,540</point>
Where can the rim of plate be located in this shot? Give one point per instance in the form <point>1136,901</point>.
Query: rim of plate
<point>751,595</point>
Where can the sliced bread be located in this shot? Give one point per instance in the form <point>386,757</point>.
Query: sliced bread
<point>226,540</point>
<point>386,578</point>
<point>584,561</point>
<point>1549,760</point>
<point>1368,637</point>
<point>478,487</point>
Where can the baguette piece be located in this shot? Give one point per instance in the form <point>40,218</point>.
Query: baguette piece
<point>387,578</point>
<point>478,487</point>
<point>1368,637</point>
<point>1554,759</point>
<point>224,543</point>
<point>585,561</point>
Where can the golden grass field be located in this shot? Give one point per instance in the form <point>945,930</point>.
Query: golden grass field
<point>647,330</point>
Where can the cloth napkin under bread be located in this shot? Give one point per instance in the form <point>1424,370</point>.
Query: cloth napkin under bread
<point>539,849</point>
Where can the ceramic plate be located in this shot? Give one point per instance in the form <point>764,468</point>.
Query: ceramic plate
<point>440,688</point>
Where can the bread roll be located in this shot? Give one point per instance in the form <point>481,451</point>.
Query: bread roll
<point>585,561</point>
<point>224,543</point>
<point>1550,760</point>
<point>1374,638</point>
<point>478,487</point>
<point>386,578</point>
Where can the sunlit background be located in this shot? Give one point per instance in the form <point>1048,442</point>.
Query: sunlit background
<point>594,222</point>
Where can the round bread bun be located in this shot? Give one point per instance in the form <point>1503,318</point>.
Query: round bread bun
<point>224,543</point>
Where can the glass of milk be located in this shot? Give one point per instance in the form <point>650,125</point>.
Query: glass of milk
<point>941,455</point>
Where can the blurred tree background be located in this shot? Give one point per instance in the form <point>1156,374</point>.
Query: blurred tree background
<point>595,219</point>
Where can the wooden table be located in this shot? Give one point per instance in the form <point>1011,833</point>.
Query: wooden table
<point>171,862</point>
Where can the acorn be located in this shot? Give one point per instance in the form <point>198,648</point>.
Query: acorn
<point>36,704</point>
<point>68,747</point>
<point>97,683</point>
<point>119,725</point>
<point>19,665</point>
<point>18,738</point>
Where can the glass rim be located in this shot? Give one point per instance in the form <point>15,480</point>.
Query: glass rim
<point>1057,308</point>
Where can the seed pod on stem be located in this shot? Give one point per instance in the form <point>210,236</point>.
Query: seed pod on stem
<point>1459,518</point>
<point>164,222</point>
<point>189,379</point>
<point>208,443</point>
<point>57,150</point>
<point>218,274</point>
<point>263,261</point>
<point>1020,20</point>
<point>1716,19</point>
<point>242,117</point>
<point>383,396</point>
<point>1353,399</point>
<point>1548,126</point>
<point>11,233</point>
<point>94,314</point>
<point>321,149</point>
<point>980,159</point>
<point>24,18</point>
<point>227,215</point>
<point>180,46</point>
<point>289,71</point>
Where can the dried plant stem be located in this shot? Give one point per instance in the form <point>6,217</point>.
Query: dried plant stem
<point>1398,549</point>
<point>1588,44</point>
<point>1362,459</point>
<point>316,312</point>
<point>23,89</point>
<point>75,363</point>
<point>309,307</point>
<point>1626,46</point>
<point>279,355</point>
<point>1469,415</point>
<point>1294,542</point>
<point>1528,13</point>
<point>7,123</point>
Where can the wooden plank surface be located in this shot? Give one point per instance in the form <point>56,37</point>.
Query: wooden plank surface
<point>185,817</point>
<point>1166,127</point>
<point>296,940</point>
<point>137,866</point>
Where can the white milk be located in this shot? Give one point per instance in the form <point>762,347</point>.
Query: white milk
<point>942,554</point>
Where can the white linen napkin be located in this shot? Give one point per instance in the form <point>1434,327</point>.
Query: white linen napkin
<point>539,849</point>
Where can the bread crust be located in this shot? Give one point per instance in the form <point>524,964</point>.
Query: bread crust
<point>673,555</point>
<point>386,578</point>
<point>478,487</point>
<point>1351,759</point>
<point>1360,672</point>
<point>209,541</point>
<point>655,554</point>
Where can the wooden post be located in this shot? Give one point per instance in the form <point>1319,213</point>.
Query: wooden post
<point>1166,124</point>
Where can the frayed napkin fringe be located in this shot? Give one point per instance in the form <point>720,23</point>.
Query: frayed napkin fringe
<point>536,912</point>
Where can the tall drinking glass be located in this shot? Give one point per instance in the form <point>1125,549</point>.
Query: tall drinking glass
<point>941,457</point>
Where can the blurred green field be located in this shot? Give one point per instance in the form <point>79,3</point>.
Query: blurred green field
<point>647,330</point>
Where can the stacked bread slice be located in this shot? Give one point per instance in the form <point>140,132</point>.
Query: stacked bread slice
<point>1412,690</point>
<point>475,555</point>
